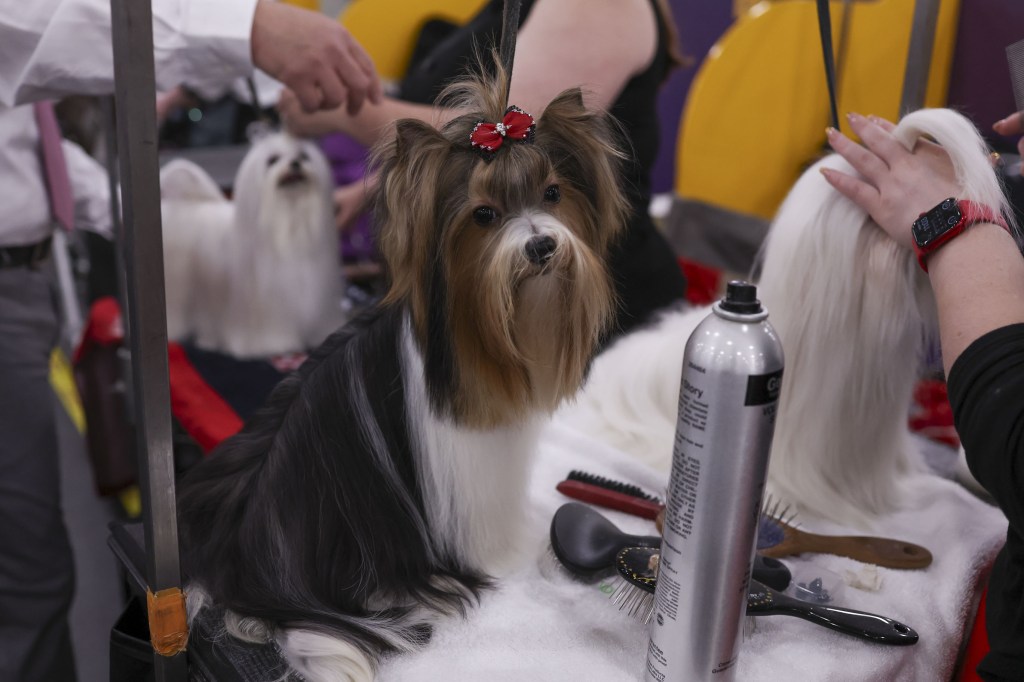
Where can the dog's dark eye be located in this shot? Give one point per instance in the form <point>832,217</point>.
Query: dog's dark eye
<point>272,160</point>
<point>552,194</point>
<point>485,215</point>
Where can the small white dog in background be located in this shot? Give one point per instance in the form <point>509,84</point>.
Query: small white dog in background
<point>853,311</point>
<point>257,276</point>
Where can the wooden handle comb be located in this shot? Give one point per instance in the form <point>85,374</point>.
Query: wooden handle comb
<point>870,550</point>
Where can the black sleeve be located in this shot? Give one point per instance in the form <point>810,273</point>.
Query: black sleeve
<point>986,391</point>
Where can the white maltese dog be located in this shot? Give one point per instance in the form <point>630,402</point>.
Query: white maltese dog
<point>854,312</point>
<point>258,276</point>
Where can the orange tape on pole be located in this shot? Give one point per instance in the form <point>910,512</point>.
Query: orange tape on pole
<point>168,626</point>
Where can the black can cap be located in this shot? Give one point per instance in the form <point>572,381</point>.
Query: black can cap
<point>741,297</point>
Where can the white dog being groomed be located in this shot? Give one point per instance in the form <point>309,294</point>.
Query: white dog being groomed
<point>854,312</point>
<point>383,484</point>
<point>258,276</point>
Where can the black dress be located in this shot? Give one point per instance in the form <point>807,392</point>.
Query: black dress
<point>986,390</point>
<point>647,275</point>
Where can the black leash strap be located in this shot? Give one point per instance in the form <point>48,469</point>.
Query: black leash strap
<point>509,31</point>
<point>825,28</point>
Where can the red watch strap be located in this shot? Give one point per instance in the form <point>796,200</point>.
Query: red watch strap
<point>971,213</point>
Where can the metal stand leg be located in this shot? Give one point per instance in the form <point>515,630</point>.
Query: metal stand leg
<point>135,89</point>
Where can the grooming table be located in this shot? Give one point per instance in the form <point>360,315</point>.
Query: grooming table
<point>542,624</point>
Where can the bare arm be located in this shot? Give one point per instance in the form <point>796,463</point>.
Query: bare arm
<point>978,278</point>
<point>366,127</point>
<point>596,44</point>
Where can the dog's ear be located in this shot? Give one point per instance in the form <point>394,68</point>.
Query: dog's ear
<point>410,166</point>
<point>567,100</point>
<point>412,135</point>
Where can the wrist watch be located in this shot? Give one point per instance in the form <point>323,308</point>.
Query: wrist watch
<point>938,226</point>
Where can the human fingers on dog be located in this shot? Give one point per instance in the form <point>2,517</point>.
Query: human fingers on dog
<point>880,141</point>
<point>864,160</point>
<point>871,200</point>
<point>885,124</point>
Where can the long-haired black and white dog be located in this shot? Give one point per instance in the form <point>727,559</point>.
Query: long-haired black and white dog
<point>382,483</point>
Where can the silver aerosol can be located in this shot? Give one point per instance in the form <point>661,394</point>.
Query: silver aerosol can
<point>728,399</point>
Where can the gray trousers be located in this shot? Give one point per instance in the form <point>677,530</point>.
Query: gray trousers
<point>36,569</point>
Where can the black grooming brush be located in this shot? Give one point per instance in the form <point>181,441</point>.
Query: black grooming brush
<point>587,543</point>
<point>638,567</point>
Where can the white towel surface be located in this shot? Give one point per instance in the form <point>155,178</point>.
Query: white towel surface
<point>540,624</point>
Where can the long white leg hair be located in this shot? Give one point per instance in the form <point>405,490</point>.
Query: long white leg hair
<point>854,312</point>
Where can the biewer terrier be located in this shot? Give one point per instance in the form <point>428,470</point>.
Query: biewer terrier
<point>855,314</point>
<point>260,275</point>
<point>382,485</point>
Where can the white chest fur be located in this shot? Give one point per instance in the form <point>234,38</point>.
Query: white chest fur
<point>473,481</point>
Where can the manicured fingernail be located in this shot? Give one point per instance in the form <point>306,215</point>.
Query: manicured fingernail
<point>852,117</point>
<point>830,131</point>
<point>873,118</point>
<point>826,172</point>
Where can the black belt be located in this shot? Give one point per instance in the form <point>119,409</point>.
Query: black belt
<point>28,256</point>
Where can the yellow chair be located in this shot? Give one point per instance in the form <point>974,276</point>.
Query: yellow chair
<point>388,28</point>
<point>756,113</point>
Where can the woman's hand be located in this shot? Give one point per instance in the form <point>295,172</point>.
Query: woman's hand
<point>1012,125</point>
<point>349,201</point>
<point>302,123</point>
<point>896,185</point>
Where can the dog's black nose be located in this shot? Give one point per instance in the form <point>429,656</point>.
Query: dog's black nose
<point>295,166</point>
<point>540,249</point>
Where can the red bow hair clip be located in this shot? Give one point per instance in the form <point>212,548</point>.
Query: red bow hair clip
<point>515,126</point>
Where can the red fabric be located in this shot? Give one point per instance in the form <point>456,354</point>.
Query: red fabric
<point>977,646</point>
<point>932,415</point>
<point>199,410</point>
<point>489,137</point>
<point>104,327</point>
<point>197,407</point>
<point>702,282</point>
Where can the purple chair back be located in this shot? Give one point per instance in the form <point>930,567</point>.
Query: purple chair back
<point>701,24</point>
<point>979,83</point>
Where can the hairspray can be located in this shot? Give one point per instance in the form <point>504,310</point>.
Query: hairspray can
<point>728,399</point>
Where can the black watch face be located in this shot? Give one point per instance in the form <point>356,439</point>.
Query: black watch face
<point>936,222</point>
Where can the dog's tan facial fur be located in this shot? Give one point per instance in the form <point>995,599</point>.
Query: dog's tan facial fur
<point>502,336</point>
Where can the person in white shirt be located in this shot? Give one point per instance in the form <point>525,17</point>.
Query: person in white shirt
<point>51,48</point>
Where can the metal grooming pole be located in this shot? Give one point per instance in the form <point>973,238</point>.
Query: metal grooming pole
<point>919,55</point>
<point>135,92</point>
